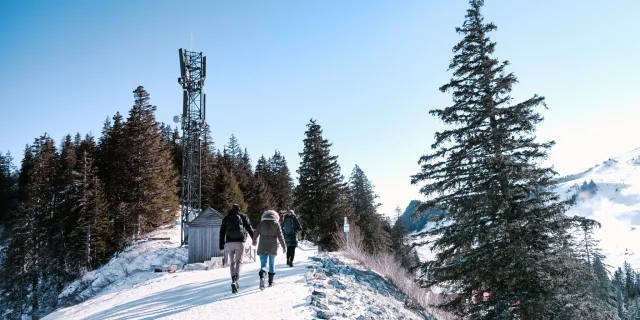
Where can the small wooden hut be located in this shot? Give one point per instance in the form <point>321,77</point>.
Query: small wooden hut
<point>204,236</point>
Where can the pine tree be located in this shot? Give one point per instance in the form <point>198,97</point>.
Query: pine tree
<point>209,168</point>
<point>364,205</point>
<point>226,192</point>
<point>260,199</point>
<point>91,239</point>
<point>262,169</point>
<point>504,227</point>
<point>280,181</point>
<point>77,139</point>
<point>111,165</point>
<point>31,278</point>
<point>593,280</point>
<point>405,253</point>
<point>321,194</point>
<point>151,176</point>
<point>400,231</point>
<point>18,268</point>
<point>603,290</point>
<point>588,248</point>
<point>239,164</point>
<point>64,221</point>
<point>8,195</point>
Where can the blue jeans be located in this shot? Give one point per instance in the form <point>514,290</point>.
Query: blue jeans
<point>263,262</point>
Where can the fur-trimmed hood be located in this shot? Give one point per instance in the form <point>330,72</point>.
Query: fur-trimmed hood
<point>270,215</point>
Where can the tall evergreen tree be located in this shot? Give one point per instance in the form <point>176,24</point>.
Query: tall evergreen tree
<point>91,239</point>
<point>27,267</point>
<point>226,192</point>
<point>587,247</point>
<point>239,164</point>
<point>365,208</point>
<point>280,181</point>
<point>8,195</point>
<point>259,200</point>
<point>151,189</point>
<point>77,139</point>
<point>321,194</point>
<point>233,150</point>
<point>262,169</point>
<point>18,267</point>
<point>64,221</point>
<point>111,165</point>
<point>209,169</point>
<point>504,228</point>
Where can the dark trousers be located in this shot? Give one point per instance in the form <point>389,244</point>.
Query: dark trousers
<point>291,252</point>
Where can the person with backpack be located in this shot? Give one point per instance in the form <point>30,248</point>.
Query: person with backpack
<point>233,234</point>
<point>290,228</point>
<point>269,233</point>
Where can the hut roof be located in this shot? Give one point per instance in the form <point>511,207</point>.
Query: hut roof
<point>208,218</point>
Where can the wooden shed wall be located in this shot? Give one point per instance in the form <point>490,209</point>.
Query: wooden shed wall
<point>203,243</point>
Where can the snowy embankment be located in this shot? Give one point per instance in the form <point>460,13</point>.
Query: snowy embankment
<point>615,204</point>
<point>345,289</point>
<point>129,268</point>
<point>318,286</point>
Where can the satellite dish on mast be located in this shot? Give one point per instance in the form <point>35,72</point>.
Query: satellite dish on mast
<point>176,119</point>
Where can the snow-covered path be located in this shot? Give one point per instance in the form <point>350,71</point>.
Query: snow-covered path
<point>207,295</point>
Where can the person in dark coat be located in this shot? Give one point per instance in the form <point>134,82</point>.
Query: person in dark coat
<point>270,234</point>
<point>233,234</point>
<point>290,229</point>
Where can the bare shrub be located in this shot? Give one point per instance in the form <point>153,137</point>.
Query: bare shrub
<point>388,266</point>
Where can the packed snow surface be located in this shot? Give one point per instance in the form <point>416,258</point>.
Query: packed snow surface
<point>318,286</point>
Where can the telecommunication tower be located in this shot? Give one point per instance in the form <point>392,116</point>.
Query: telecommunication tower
<point>192,75</point>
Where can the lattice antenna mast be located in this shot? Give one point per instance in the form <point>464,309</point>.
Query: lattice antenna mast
<point>192,75</point>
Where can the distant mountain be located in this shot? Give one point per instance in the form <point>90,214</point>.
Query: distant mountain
<point>419,222</point>
<point>608,193</point>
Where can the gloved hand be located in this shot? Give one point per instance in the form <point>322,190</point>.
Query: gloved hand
<point>255,243</point>
<point>284,250</point>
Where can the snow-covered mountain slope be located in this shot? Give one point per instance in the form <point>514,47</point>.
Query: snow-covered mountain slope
<point>615,204</point>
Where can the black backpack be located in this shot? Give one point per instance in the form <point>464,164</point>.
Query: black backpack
<point>289,226</point>
<point>235,227</point>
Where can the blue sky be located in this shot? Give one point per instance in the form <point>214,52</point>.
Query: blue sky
<point>368,71</point>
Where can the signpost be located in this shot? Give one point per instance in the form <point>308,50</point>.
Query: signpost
<point>346,229</point>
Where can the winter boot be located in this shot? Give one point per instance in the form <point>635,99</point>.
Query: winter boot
<point>271,278</point>
<point>261,274</point>
<point>234,285</point>
<point>235,280</point>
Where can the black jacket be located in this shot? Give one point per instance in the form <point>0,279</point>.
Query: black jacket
<point>223,229</point>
